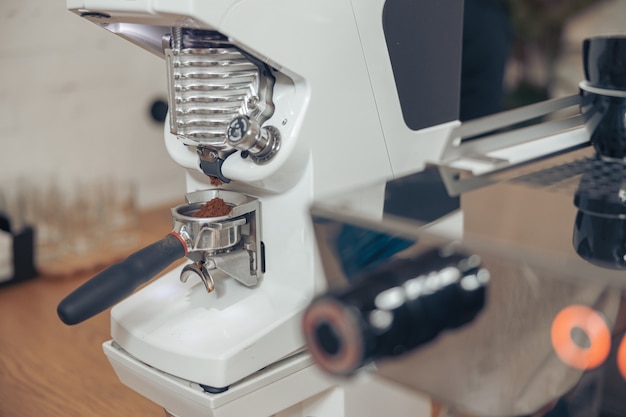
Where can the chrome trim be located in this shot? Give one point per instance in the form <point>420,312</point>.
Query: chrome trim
<point>211,82</point>
<point>492,144</point>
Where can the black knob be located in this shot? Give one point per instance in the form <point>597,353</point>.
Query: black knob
<point>604,61</point>
<point>158,110</point>
<point>394,308</point>
<point>603,103</point>
<point>600,228</point>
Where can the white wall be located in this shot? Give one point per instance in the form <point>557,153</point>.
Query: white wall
<point>74,103</point>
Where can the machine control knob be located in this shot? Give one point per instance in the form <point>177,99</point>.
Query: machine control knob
<point>393,309</point>
<point>247,135</point>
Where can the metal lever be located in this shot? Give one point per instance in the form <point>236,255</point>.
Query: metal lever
<point>247,135</point>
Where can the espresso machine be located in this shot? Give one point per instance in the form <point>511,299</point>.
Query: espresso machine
<point>525,313</point>
<point>272,105</point>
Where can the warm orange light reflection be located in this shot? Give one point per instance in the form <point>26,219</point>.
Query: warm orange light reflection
<point>596,329</point>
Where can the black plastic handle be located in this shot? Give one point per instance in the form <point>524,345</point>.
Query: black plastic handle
<point>120,280</point>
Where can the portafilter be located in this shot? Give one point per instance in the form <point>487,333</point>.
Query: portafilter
<point>210,242</point>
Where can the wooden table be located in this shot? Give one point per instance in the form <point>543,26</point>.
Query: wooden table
<point>48,369</point>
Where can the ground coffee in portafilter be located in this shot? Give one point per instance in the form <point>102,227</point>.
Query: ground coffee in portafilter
<point>213,208</point>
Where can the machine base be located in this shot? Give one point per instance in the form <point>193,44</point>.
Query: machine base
<point>216,338</point>
<point>293,387</point>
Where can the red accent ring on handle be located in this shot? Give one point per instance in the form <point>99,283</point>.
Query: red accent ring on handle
<point>182,241</point>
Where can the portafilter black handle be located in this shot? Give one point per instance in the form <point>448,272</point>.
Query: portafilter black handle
<point>120,280</point>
